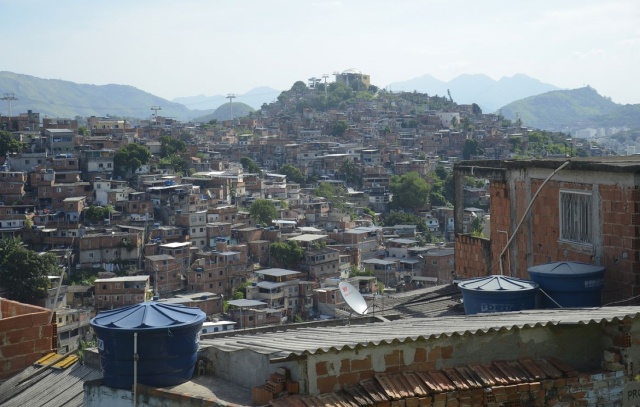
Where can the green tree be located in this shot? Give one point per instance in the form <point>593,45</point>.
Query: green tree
<point>338,128</point>
<point>336,194</point>
<point>263,211</point>
<point>129,158</point>
<point>476,227</point>
<point>24,272</point>
<point>8,144</point>
<point>350,172</point>
<point>83,131</point>
<point>250,166</point>
<point>179,164</point>
<point>293,174</point>
<point>476,109</point>
<point>171,146</point>
<point>410,191</point>
<point>287,253</point>
<point>471,148</point>
<point>97,213</point>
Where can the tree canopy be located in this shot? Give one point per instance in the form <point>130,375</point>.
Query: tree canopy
<point>250,166</point>
<point>336,194</point>
<point>24,272</point>
<point>170,146</point>
<point>263,211</point>
<point>410,191</point>
<point>293,174</point>
<point>97,213</point>
<point>471,148</point>
<point>129,158</point>
<point>287,253</point>
<point>350,172</point>
<point>338,128</point>
<point>8,144</point>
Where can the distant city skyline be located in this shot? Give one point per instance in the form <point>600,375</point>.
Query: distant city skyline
<point>188,48</point>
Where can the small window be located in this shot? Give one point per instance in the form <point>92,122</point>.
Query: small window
<point>575,217</point>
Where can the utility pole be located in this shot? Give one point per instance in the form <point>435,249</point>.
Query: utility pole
<point>9,97</point>
<point>325,76</point>
<point>231,96</point>
<point>155,112</point>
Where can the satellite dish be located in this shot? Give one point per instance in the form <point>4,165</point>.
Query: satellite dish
<point>353,298</point>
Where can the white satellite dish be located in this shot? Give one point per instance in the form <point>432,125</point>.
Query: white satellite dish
<point>353,298</point>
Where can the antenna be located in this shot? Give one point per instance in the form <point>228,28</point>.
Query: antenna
<point>9,97</point>
<point>353,298</point>
<point>231,96</point>
<point>155,112</point>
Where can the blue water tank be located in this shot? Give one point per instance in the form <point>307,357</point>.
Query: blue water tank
<point>497,294</point>
<point>569,284</point>
<point>168,338</point>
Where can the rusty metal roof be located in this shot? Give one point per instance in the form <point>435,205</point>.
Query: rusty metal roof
<point>313,340</point>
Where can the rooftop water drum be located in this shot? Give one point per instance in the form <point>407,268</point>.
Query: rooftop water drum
<point>497,294</point>
<point>569,284</point>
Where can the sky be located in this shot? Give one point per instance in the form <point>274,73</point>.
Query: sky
<point>180,48</point>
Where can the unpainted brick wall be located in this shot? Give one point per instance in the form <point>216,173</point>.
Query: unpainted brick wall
<point>26,334</point>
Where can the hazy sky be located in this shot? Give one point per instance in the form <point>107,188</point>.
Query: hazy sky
<point>174,48</point>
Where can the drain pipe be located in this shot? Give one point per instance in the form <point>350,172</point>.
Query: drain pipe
<point>526,212</point>
<point>135,369</point>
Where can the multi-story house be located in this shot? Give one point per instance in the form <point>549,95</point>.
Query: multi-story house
<point>97,163</point>
<point>580,209</point>
<point>165,271</point>
<point>12,186</point>
<point>14,219</point>
<point>196,225</point>
<point>321,263</point>
<point>279,289</point>
<point>60,141</point>
<point>110,250</point>
<point>120,291</point>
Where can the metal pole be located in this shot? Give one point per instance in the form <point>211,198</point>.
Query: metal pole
<point>135,369</point>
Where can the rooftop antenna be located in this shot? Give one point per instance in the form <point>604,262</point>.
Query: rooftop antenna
<point>155,112</point>
<point>9,97</point>
<point>353,298</point>
<point>231,96</point>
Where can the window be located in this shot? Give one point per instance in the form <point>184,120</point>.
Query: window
<point>575,217</point>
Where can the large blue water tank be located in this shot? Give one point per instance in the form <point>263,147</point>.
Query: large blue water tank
<point>168,337</point>
<point>497,294</point>
<point>569,284</point>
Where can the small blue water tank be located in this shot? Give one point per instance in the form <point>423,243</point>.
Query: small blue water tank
<point>569,284</point>
<point>497,294</point>
<point>168,336</point>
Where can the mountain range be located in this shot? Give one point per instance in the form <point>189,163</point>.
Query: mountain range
<point>537,104</point>
<point>489,94</point>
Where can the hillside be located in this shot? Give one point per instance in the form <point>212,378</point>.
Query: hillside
<point>58,98</point>
<point>489,94</point>
<point>224,112</point>
<point>572,109</point>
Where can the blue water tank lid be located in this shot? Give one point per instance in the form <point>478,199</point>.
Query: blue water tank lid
<point>498,284</point>
<point>148,316</point>
<point>566,268</point>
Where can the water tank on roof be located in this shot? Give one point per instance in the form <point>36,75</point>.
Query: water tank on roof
<point>569,284</point>
<point>168,336</point>
<point>497,294</point>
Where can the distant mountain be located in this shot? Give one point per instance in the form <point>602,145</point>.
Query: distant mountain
<point>489,94</point>
<point>225,111</point>
<point>58,98</point>
<point>255,98</point>
<point>564,110</point>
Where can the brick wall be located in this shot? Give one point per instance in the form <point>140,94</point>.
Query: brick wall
<point>473,257</point>
<point>26,334</point>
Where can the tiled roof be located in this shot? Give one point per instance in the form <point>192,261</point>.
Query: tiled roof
<point>315,340</point>
<point>387,387</point>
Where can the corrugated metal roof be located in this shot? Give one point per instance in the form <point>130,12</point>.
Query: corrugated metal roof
<point>315,340</point>
<point>47,387</point>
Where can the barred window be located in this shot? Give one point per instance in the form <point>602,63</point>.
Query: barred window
<point>575,217</point>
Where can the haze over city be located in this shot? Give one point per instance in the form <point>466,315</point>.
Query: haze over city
<point>186,48</point>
